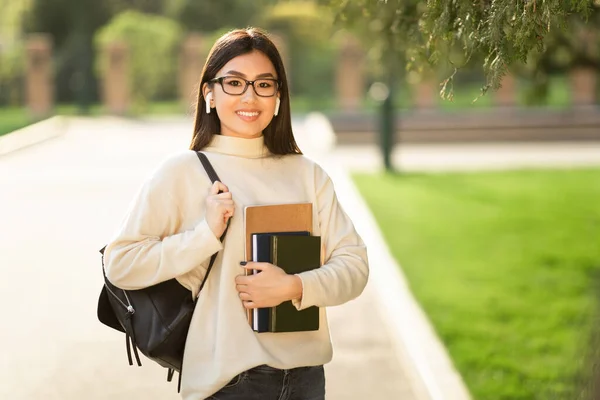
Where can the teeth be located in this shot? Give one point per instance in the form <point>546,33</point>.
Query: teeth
<point>248,114</point>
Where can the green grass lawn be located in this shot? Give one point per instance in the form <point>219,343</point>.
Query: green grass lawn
<point>12,119</point>
<point>506,265</point>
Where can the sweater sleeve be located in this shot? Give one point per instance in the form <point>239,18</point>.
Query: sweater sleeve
<point>345,271</point>
<point>150,246</point>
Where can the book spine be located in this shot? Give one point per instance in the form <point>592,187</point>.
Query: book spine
<point>255,259</point>
<point>262,253</point>
<point>273,316</point>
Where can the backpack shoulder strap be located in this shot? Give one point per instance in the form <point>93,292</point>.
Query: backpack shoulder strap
<point>208,167</point>
<point>213,177</point>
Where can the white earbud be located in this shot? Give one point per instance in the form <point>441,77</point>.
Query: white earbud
<point>277,103</point>
<point>208,100</point>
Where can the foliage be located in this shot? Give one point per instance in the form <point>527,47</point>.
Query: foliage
<point>503,265</point>
<point>208,16</point>
<point>71,24</point>
<point>578,46</point>
<point>496,34</point>
<point>156,7</point>
<point>65,18</point>
<point>310,48</point>
<point>12,75</point>
<point>152,43</point>
<point>13,118</point>
<point>11,19</point>
<point>12,61</point>
<point>305,28</point>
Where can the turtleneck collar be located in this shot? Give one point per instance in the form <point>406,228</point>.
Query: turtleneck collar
<point>235,146</point>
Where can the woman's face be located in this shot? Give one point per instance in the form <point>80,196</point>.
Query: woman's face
<point>248,114</point>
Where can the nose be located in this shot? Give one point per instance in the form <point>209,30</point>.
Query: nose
<point>249,96</point>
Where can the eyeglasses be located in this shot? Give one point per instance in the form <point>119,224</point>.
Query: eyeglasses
<point>237,86</point>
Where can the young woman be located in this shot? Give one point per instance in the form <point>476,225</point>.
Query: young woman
<point>172,228</point>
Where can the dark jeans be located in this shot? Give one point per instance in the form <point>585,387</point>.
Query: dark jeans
<point>266,383</point>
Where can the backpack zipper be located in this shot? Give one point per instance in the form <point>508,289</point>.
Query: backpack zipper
<point>129,307</point>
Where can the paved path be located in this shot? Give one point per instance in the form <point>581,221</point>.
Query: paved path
<point>59,202</point>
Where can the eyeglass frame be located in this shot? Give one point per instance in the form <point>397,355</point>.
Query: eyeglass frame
<point>248,83</point>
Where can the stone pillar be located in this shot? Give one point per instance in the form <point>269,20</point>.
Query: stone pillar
<point>115,82</point>
<point>583,86</point>
<point>281,45</point>
<point>505,96</point>
<point>424,93</point>
<point>350,75</point>
<point>191,62</point>
<point>39,85</point>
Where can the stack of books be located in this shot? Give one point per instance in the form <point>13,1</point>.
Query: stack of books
<point>281,235</point>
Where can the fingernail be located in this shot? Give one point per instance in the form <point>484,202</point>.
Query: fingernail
<point>243,263</point>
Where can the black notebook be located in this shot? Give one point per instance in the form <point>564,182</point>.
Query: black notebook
<point>294,252</point>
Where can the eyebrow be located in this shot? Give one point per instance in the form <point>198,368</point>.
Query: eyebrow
<point>236,73</point>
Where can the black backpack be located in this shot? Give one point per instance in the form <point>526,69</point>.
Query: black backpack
<point>155,319</point>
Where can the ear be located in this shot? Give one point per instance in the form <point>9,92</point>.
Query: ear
<point>205,90</point>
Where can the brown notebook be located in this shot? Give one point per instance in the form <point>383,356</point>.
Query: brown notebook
<point>275,218</point>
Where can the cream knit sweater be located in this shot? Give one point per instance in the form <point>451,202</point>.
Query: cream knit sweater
<point>164,235</point>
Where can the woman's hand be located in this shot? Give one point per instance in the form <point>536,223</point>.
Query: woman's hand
<point>219,208</point>
<point>268,288</point>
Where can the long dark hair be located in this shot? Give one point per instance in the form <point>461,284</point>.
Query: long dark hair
<point>278,135</point>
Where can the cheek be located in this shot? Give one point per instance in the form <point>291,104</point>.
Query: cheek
<point>226,105</point>
<point>268,108</point>
<point>267,114</point>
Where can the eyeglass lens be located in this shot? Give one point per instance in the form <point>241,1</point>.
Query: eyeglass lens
<point>262,87</point>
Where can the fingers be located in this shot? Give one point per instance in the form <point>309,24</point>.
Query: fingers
<point>223,201</point>
<point>220,200</point>
<point>225,207</point>
<point>245,296</point>
<point>223,196</point>
<point>222,205</point>
<point>242,280</point>
<point>218,187</point>
<point>260,266</point>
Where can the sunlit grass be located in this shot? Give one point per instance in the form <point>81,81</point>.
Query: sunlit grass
<point>506,266</point>
<point>13,118</point>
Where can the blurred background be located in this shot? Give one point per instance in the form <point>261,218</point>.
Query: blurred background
<point>470,129</point>
<point>144,56</point>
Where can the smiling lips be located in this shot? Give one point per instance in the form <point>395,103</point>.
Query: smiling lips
<point>248,116</point>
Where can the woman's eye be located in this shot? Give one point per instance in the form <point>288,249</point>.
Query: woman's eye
<point>265,84</point>
<point>234,82</point>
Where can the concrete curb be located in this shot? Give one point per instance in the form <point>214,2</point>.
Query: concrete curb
<point>433,374</point>
<point>33,134</point>
<point>419,350</point>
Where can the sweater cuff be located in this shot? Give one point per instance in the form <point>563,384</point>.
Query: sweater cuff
<point>307,299</point>
<point>210,243</point>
